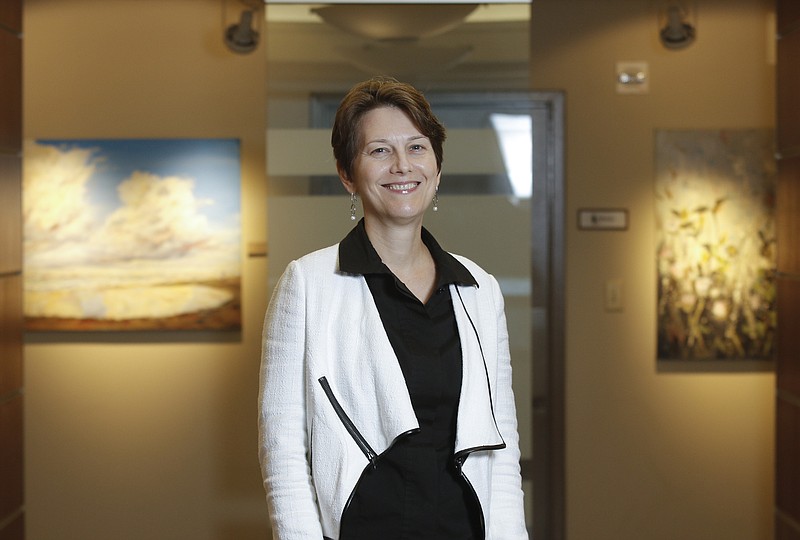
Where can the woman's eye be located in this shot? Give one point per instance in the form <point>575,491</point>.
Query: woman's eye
<point>379,151</point>
<point>417,148</point>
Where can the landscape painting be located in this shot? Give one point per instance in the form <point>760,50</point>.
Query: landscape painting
<point>132,234</point>
<point>716,260</point>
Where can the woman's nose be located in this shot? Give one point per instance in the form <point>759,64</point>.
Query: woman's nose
<point>401,163</point>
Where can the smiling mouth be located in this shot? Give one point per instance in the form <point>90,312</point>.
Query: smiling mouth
<point>402,188</point>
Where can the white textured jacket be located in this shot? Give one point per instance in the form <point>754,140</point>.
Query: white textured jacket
<point>332,398</point>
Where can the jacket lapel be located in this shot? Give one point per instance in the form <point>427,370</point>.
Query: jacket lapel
<point>476,427</point>
<point>373,390</point>
<point>368,376</point>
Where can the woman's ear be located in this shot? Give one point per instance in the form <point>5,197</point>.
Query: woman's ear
<point>348,184</point>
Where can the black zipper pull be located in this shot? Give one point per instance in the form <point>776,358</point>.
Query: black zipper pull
<point>370,454</point>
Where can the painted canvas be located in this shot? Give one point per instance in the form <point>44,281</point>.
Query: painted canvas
<point>715,202</point>
<point>132,234</point>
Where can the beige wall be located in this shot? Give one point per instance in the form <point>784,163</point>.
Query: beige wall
<point>651,454</point>
<point>148,438</point>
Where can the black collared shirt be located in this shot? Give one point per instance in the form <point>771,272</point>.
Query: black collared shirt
<point>415,491</point>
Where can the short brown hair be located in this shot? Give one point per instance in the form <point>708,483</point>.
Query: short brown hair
<point>381,92</point>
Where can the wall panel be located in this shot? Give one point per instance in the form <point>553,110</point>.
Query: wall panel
<point>787,91</point>
<point>788,208</point>
<point>11,15</point>
<point>10,91</point>
<point>788,15</point>
<point>15,530</point>
<point>12,517</point>
<point>11,214</point>
<point>10,335</point>
<point>787,443</point>
<point>147,435</point>
<point>784,532</point>
<point>788,368</point>
<point>787,496</point>
<point>11,475</point>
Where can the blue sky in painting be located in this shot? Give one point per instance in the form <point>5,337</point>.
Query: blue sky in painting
<point>213,165</point>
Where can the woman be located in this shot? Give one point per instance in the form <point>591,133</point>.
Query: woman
<point>386,409</point>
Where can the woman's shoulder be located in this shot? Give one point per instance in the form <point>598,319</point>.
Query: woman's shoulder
<point>311,268</point>
<point>474,268</point>
<point>322,254</point>
<point>321,260</point>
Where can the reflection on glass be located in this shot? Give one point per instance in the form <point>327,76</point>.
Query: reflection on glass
<point>515,133</point>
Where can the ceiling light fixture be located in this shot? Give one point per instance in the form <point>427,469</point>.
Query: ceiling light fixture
<point>395,22</point>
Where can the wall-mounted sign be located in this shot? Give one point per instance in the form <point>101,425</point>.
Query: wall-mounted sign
<point>603,219</point>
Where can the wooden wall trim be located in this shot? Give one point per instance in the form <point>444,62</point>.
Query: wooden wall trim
<point>787,380</point>
<point>11,16</point>
<point>12,477</point>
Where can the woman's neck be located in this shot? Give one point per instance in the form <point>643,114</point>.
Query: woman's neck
<point>403,251</point>
<point>396,245</point>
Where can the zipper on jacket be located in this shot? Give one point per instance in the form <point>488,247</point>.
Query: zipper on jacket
<point>361,476</point>
<point>359,439</point>
<point>458,459</point>
<point>348,424</point>
<point>459,462</point>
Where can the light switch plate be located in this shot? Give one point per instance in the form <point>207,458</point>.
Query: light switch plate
<point>613,295</point>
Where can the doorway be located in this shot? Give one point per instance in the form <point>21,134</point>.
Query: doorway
<point>507,218</point>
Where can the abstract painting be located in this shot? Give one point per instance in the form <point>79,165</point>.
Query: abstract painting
<point>715,200</point>
<point>132,234</point>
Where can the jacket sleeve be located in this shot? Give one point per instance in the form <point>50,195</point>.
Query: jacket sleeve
<point>282,425</point>
<point>507,519</point>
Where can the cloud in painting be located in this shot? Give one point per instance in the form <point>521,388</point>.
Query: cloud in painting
<point>55,207</point>
<point>155,217</point>
<point>159,218</point>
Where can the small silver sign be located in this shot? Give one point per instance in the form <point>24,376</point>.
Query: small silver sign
<point>604,219</point>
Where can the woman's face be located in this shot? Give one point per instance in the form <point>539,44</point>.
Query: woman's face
<point>395,171</point>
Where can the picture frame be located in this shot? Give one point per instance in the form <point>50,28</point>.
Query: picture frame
<point>715,245</point>
<point>132,235</point>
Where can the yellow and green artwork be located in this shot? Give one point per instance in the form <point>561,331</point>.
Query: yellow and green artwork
<point>715,201</point>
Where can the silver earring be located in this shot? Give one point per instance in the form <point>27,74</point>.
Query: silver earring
<point>353,206</point>
<point>436,200</point>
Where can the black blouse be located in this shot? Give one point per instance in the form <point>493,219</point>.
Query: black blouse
<point>415,491</point>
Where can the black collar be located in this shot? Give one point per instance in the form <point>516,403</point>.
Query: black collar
<point>358,256</point>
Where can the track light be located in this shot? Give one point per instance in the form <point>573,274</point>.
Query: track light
<point>675,31</point>
<point>242,37</point>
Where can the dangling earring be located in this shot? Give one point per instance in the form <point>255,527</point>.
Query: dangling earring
<point>436,200</point>
<point>353,206</point>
